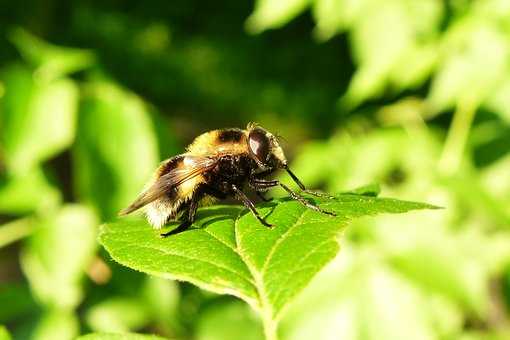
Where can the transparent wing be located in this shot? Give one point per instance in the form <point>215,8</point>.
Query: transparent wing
<point>192,167</point>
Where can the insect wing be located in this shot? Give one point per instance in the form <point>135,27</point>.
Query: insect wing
<point>192,167</point>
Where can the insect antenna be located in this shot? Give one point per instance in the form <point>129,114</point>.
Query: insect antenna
<point>280,138</point>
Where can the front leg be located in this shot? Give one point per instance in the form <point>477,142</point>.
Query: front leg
<point>303,188</point>
<point>261,185</point>
<point>248,204</point>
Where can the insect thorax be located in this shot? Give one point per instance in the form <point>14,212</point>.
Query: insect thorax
<point>230,169</point>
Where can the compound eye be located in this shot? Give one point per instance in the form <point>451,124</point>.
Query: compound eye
<point>259,144</point>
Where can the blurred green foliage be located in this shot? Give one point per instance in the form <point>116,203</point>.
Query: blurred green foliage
<point>414,95</point>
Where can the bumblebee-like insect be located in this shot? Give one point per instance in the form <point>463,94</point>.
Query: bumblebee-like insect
<point>217,164</point>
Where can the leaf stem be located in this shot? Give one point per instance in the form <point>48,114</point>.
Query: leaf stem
<point>270,326</point>
<point>15,230</point>
<point>457,136</point>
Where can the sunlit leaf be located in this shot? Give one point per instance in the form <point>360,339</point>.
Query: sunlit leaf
<point>389,44</point>
<point>119,336</point>
<point>231,253</point>
<point>454,264</point>
<point>499,100</point>
<point>15,230</point>
<point>161,298</point>
<point>493,179</point>
<point>58,325</point>
<point>414,66</point>
<point>116,149</point>
<point>359,297</point>
<point>38,118</point>
<point>117,315</point>
<point>502,334</point>
<point>50,61</point>
<point>4,334</point>
<point>439,264</point>
<point>334,16</point>
<point>27,193</point>
<point>473,65</point>
<point>215,323</point>
<point>57,254</point>
<point>274,13</point>
<point>404,164</point>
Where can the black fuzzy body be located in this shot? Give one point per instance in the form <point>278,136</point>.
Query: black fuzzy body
<point>217,164</point>
<point>229,170</point>
<point>230,173</point>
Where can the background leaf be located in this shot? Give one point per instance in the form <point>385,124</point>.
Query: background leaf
<point>4,334</point>
<point>274,13</point>
<point>50,61</point>
<point>57,255</point>
<point>118,336</point>
<point>58,325</point>
<point>217,320</point>
<point>40,123</point>
<point>117,315</point>
<point>27,193</point>
<point>114,164</point>
<point>346,300</point>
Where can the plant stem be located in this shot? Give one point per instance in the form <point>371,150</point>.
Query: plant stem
<point>457,136</point>
<point>15,230</point>
<point>270,327</point>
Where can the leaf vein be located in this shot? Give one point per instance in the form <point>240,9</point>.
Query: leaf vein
<point>299,268</point>
<point>165,251</point>
<point>221,241</point>
<point>280,240</point>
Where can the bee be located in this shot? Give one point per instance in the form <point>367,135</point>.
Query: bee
<point>216,165</point>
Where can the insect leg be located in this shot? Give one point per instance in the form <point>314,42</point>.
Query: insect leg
<point>295,179</point>
<point>263,184</point>
<point>192,212</point>
<point>249,204</point>
<point>260,189</point>
<point>188,220</point>
<point>304,202</point>
<point>266,184</point>
<point>303,188</point>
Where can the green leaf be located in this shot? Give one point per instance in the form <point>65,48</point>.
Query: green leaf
<point>274,13</point>
<point>114,164</point>
<point>27,193</point>
<point>57,325</point>
<point>334,16</point>
<point>499,100</point>
<point>474,63</point>
<point>162,297</point>
<point>119,336</point>
<point>4,334</point>
<point>15,230</point>
<point>117,314</point>
<point>358,296</point>
<point>215,322</point>
<point>391,46</point>
<point>230,252</point>
<point>457,265</point>
<point>57,254</point>
<point>38,118</point>
<point>50,61</point>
